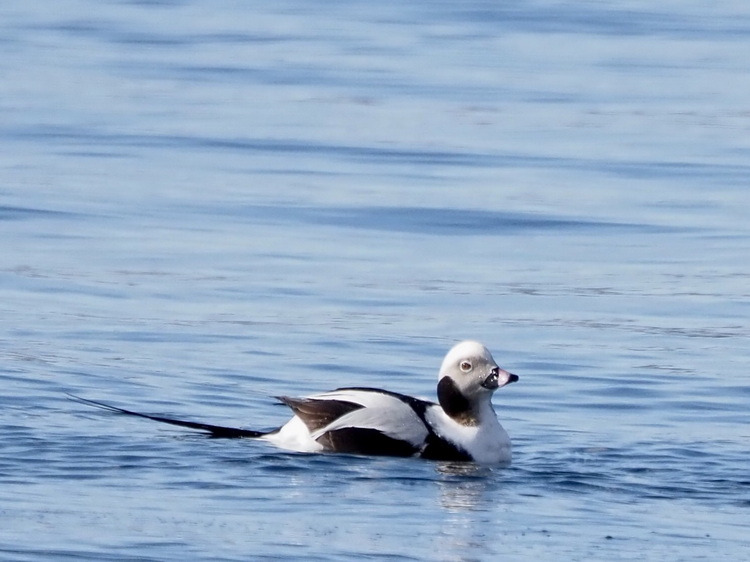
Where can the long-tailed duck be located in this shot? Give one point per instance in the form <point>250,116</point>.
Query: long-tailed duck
<point>462,426</point>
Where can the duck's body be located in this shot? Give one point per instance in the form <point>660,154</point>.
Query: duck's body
<point>370,421</point>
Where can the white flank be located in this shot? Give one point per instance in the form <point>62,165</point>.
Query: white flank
<point>294,436</point>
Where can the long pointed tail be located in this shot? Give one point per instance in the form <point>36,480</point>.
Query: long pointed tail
<point>214,430</point>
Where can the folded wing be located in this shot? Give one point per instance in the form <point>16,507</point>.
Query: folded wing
<point>362,421</point>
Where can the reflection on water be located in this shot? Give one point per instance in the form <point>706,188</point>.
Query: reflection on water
<point>463,486</point>
<point>470,496</point>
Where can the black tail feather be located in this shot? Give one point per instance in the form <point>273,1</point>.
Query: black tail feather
<point>214,430</point>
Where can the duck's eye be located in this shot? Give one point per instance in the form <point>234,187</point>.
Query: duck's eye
<point>465,366</point>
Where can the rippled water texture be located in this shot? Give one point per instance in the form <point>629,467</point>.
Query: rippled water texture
<point>207,204</point>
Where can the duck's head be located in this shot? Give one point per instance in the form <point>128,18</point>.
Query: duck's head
<point>468,377</point>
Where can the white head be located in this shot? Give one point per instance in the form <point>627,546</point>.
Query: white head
<point>468,377</point>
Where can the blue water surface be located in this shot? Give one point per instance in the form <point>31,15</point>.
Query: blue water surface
<point>207,204</point>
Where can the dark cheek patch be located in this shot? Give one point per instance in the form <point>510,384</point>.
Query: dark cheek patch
<point>454,403</point>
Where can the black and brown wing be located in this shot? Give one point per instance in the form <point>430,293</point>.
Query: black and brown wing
<point>362,421</point>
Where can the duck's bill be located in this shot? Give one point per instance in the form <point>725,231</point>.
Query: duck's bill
<point>498,378</point>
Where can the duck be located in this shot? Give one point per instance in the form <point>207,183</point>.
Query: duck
<point>461,426</point>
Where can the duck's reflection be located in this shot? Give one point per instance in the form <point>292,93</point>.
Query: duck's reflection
<point>468,497</point>
<point>464,486</point>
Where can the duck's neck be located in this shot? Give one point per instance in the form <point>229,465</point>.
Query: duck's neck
<point>459,408</point>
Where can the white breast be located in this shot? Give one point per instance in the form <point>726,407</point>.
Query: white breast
<point>487,443</point>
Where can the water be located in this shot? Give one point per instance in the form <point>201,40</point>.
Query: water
<point>207,204</point>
